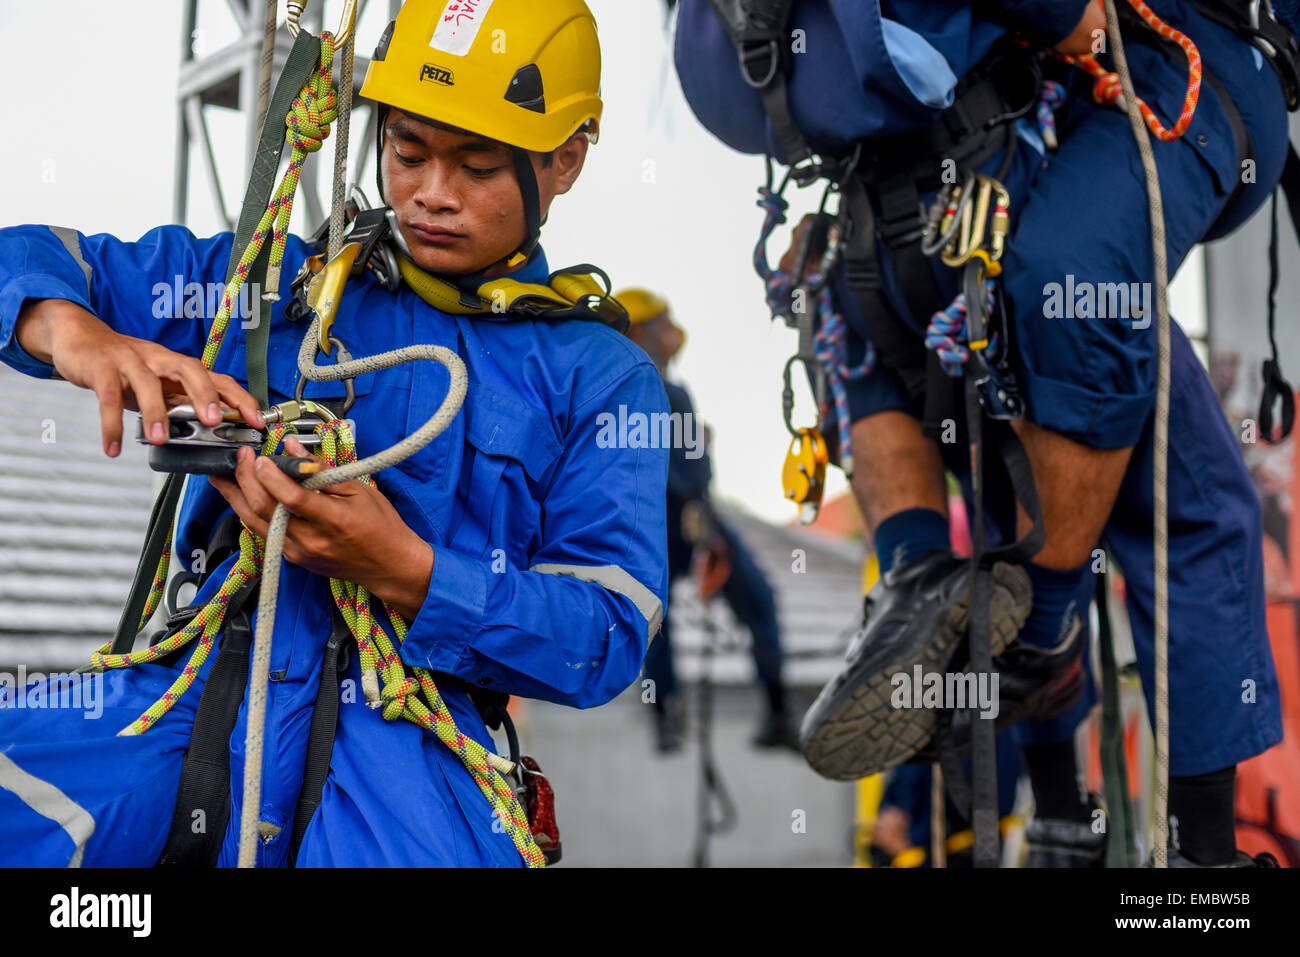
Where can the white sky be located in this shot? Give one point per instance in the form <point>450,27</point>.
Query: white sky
<point>89,128</point>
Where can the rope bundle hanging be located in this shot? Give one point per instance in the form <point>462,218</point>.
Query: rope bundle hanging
<point>1109,90</point>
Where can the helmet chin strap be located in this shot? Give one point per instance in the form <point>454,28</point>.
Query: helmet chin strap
<point>528,190</point>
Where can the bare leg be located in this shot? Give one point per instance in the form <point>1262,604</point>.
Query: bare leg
<point>895,468</point>
<point>1077,486</point>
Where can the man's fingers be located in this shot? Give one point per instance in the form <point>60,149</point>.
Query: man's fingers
<point>196,381</point>
<point>261,501</point>
<point>147,389</point>
<point>285,490</point>
<point>108,389</point>
<point>296,448</point>
<point>237,397</point>
<point>233,494</point>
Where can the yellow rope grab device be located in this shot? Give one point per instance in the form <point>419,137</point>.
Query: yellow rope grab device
<point>387,682</point>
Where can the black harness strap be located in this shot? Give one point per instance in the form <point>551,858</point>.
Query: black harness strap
<point>978,798</point>
<point>203,799</point>
<point>160,526</point>
<point>757,27</point>
<point>1276,388</point>
<point>320,739</point>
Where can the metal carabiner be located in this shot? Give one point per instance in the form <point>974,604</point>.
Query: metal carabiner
<point>348,383</point>
<point>974,221</point>
<point>347,20</point>
<point>787,392</point>
<point>945,215</point>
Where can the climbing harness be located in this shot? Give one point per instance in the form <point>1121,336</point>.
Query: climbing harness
<point>304,95</point>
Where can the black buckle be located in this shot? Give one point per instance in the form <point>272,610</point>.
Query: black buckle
<point>753,49</point>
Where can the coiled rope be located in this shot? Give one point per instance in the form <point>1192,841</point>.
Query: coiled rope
<point>1109,88</point>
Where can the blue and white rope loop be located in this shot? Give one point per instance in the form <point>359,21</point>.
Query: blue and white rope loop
<point>946,334</point>
<point>830,344</point>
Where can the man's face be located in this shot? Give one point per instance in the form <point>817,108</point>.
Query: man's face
<point>660,337</point>
<point>456,194</point>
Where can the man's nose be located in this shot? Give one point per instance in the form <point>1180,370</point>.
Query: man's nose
<point>437,188</point>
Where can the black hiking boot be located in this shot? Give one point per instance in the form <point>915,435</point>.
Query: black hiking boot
<point>916,615</point>
<point>777,731</point>
<point>1060,842</point>
<point>670,733</point>
<point>1034,684</point>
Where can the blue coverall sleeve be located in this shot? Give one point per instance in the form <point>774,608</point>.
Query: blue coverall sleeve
<point>1048,21</point>
<point>573,627</point>
<point>161,288</point>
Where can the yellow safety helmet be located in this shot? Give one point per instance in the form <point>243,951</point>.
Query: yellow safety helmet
<point>641,304</point>
<point>523,72</point>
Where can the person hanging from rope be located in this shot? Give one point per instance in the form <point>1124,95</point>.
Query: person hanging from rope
<point>692,521</point>
<point>978,114</point>
<point>515,555</point>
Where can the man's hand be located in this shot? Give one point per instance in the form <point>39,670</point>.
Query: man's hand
<point>790,258</point>
<point>1081,40</point>
<point>348,531</point>
<point>125,372</point>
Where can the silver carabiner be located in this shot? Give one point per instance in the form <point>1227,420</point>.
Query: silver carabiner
<point>348,383</point>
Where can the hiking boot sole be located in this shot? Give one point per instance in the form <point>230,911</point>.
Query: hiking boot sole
<point>852,730</point>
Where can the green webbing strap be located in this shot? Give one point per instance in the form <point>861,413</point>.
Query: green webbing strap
<point>303,58</point>
<point>1120,849</point>
<point>160,525</point>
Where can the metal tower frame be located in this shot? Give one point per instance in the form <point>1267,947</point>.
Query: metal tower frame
<point>229,78</point>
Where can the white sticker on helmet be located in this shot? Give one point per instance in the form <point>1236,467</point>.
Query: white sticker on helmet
<point>459,25</point>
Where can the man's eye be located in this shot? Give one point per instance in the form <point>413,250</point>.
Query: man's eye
<point>482,173</point>
<point>406,160</point>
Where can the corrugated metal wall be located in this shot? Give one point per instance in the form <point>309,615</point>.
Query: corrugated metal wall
<point>71,523</point>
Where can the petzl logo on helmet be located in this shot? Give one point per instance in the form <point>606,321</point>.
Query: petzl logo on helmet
<point>459,25</point>
<point>437,74</point>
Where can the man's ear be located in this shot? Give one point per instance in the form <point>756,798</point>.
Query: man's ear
<point>568,162</point>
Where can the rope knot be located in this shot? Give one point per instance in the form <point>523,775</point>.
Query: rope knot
<point>316,105</point>
<point>395,693</point>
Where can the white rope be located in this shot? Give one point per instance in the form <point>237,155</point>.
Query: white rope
<point>339,198</point>
<point>268,58</point>
<point>266,606</point>
<point>1161,471</point>
<point>254,742</point>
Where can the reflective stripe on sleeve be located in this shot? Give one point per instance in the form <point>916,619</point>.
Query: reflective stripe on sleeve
<point>615,579</point>
<point>72,243</point>
<point>48,801</point>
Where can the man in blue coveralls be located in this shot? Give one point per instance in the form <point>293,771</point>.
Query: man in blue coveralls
<point>872,74</point>
<point>470,170</point>
<point>692,522</point>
